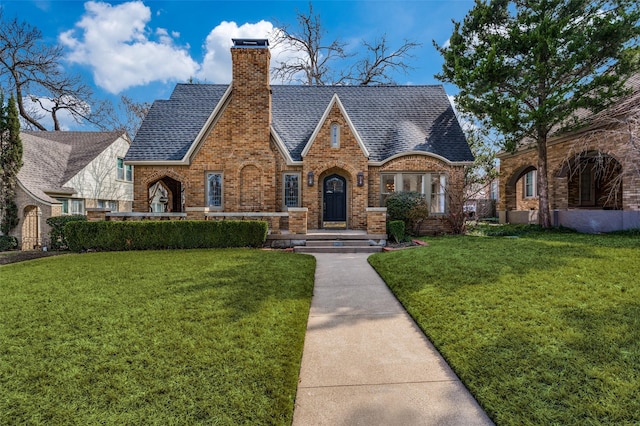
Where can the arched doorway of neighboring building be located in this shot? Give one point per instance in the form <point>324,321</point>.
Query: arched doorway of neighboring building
<point>166,195</point>
<point>594,181</point>
<point>31,228</point>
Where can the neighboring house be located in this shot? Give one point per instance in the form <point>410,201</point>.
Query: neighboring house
<point>332,150</point>
<point>65,173</point>
<point>594,173</point>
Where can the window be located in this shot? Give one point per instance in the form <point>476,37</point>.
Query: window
<point>214,190</point>
<point>530,184</point>
<point>335,135</point>
<point>438,185</point>
<point>124,171</point>
<point>108,204</point>
<point>72,206</point>
<point>292,190</point>
<point>431,185</point>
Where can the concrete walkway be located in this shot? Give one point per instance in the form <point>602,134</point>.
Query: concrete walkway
<point>365,362</point>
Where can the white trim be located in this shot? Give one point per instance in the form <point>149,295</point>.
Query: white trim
<point>426,154</point>
<point>283,149</point>
<point>197,142</point>
<point>335,100</point>
<point>211,121</point>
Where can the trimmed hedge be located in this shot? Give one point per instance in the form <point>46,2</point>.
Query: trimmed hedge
<point>169,234</point>
<point>57,237</point>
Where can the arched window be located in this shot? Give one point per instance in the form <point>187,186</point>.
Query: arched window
<point>335,135</point>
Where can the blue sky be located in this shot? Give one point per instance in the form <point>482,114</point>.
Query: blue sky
<point>143,48</point>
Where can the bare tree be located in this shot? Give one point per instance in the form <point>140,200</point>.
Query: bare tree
<point>33,70</point>
<point>380,60</point>
<point>318,62</point>
<point>134,113</point>
<point>313,55</point>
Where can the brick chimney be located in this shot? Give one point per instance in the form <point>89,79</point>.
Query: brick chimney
<point>251,61</point>
<point>250,115</point>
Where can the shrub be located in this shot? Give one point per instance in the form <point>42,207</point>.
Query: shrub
<point>409,207</point>
<point>57,234</point>
<point>396,229</point>
<point>7,242</point>
<point>150,235</point>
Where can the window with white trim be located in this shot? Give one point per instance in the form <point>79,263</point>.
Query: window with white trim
<point>291,189</point>
<point>214,190</point>
<point>431,185</point>
<point>335,135</point>
<point>72,206</point>
<point>124,171</point>
<point>530,184</point>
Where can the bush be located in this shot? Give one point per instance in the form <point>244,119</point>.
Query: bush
<point>396,229</point>
<point>154,235</point>
<point>57,234</point>
<point>409,207</point>
<point>7,242</point>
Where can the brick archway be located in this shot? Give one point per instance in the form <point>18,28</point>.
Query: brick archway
<point>174,189</point>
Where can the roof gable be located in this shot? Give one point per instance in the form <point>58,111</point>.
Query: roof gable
<point>335,101</point>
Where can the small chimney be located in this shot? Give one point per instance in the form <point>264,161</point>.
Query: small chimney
<point>250,42</point>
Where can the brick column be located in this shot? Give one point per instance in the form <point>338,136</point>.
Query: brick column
<point>376,220</point>
<point>298,220</point>
<point>196,213</point>
<point>96,214</point>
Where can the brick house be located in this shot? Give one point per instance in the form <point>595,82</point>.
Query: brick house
<point>594,173</point>
<point>333,152</point>
<point>67,173</point>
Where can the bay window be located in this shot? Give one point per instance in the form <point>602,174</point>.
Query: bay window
<point>432,186</point>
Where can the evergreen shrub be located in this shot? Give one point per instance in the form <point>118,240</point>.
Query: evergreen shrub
<point>169,234</point>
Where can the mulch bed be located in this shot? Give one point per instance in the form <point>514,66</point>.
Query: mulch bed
<point>20,256</point>
<point>404,245</point>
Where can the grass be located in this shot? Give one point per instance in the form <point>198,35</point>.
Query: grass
<point>543,328</point>
<point>153,337</point>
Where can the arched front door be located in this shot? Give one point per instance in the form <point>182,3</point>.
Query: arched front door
<point>335,199</point>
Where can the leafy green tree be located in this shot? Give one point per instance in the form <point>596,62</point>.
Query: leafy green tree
<point>10,164</point>
<point>526,67</point>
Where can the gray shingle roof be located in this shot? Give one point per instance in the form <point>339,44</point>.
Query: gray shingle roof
<point>51,159</point>
<point>389,119</point>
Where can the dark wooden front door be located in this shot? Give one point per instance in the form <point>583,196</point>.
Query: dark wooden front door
<point>335,199</point>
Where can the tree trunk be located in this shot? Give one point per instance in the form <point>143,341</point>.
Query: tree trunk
<point>544,213</point>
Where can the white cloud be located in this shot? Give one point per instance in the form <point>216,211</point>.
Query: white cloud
<point>122,51</point>
<point>216,66</point>
<point>114,41</point>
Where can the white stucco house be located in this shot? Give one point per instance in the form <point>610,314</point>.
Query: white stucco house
<point>65,173</point>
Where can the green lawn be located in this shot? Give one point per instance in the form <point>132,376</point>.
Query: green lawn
<point>543,329</point>
<point>153,337</point>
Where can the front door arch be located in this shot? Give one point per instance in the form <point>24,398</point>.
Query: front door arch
<point>334,189</point>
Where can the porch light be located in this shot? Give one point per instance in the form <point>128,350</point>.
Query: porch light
<point>360,178</point>
<point>310,179</point>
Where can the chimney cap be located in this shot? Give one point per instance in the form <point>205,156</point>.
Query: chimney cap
<point>250,42</point>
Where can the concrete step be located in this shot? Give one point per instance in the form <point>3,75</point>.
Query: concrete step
<point>336,243</point>
<point>337,249</point>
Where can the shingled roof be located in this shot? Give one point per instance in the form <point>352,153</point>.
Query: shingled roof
<point>389,119</point>
<point>51,159</point>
